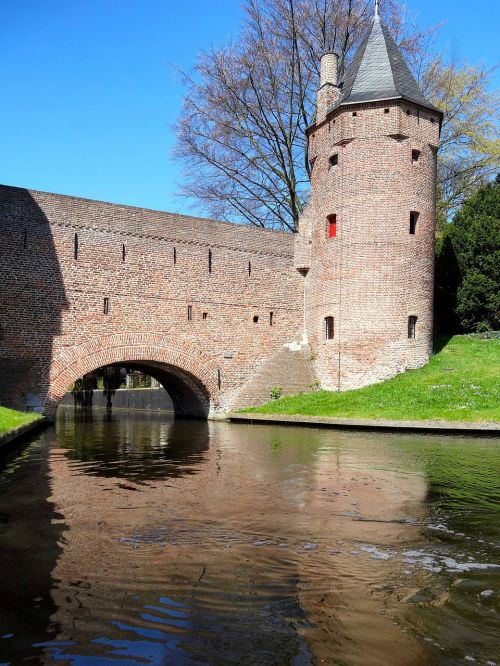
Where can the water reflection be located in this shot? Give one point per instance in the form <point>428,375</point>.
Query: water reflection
<point>31,542</point>
<point>142,449</point>
<point>171,542</point>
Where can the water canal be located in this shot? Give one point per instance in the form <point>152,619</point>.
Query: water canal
<point>144,540</point>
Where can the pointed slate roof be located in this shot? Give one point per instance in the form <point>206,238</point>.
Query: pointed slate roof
<point>378,71</point>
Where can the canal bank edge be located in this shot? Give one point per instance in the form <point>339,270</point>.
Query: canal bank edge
<point>10,439</point>
<point>424,426</point>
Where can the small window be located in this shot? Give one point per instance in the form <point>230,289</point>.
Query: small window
<point>332,226</point>
<point>106,306</point>
<point>432,119</point>
<point>412,327</point>
<point>255,319</point>
<point>190,312</point>
<point>218,379</point>
<point>249,268</point>
<point>25,239</point>
<point>415,156</point>
<point>75,247</point>
<point>271,317</point>
<point>1,333</point>
<point>175,255</point>
<point>408,112</point>
<point>205,315</point>
<point>386,110</point>
<point>334,160</point>
<point>329,328</point>
<point>210,261</point>
<point>124,253</point>
<point>413,222</point>
<point>354,113</point>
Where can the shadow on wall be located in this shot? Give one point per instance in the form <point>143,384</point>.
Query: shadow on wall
<point>32,298</point>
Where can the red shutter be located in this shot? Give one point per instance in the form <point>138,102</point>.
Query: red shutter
<point>332,226</point>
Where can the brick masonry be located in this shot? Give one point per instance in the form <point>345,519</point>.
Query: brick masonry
<point>221,313</point>
<point>373,274</point>
<point>151,266</point>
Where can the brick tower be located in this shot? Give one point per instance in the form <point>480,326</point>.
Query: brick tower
<point>366,239</point>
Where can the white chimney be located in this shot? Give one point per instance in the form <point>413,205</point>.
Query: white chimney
<point>328,92</point>
<point>328,69</point>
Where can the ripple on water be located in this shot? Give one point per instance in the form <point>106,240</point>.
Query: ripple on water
<point>138,541</point>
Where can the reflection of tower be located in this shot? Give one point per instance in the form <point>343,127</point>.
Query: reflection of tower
<point>366,240</point>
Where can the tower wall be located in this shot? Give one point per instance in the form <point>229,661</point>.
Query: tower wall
<point>373,274</point>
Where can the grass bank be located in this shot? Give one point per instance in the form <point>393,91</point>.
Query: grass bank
<point>460,383</point>
<point>10,419</point>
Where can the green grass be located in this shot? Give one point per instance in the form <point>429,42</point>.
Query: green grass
<point>460,383</point>
<point>10,419</point>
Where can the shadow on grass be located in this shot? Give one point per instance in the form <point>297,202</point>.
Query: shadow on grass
<point>440,342</point>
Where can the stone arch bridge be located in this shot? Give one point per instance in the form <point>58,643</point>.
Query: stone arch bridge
<point>210,309</point>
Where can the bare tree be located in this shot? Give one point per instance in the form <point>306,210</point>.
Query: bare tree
<point>241,134</point>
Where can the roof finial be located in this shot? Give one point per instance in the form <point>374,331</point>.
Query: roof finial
<point>376,8</point>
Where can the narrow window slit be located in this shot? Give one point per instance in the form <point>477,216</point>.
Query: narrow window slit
<point>205,315</point>
<point>218,379</point>
<point>25,239</point>
<point>329,328</point>
<point>75,247</point>
<point>175,255</point>
<point>249,268</point>
<point>106,306</point>
<point>413,222</point>
<point>412,327</point>
<point>190,312</point>
<point>271,317</point>
<point>386,110</point>
<point>334,160</point>
<point>210,261</point>
<point>415,155</point>
<point>255,319</point>
<point>124,252</point>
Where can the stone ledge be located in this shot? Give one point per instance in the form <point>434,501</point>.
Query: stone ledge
<point>9,439</point>
<point>447,427</point>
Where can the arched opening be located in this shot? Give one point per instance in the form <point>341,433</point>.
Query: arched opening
<point>191,379</point>
<point>107,387</point>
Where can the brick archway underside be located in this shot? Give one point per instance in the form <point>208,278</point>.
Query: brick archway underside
<point>189,375</point>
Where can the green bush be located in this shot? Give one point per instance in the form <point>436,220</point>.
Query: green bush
<point>275,392</point>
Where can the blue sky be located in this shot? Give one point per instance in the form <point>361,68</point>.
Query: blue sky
<point>89,98</point>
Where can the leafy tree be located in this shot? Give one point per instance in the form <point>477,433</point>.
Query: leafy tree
<point>468,265</point>
<point>241,133</point>
<point>469,151</point>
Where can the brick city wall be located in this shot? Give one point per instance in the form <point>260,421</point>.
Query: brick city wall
<point>218,312</point>
<point>61,256</point>
<point>373,274</point>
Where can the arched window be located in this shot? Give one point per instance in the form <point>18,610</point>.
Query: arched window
<point>329,328</point>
